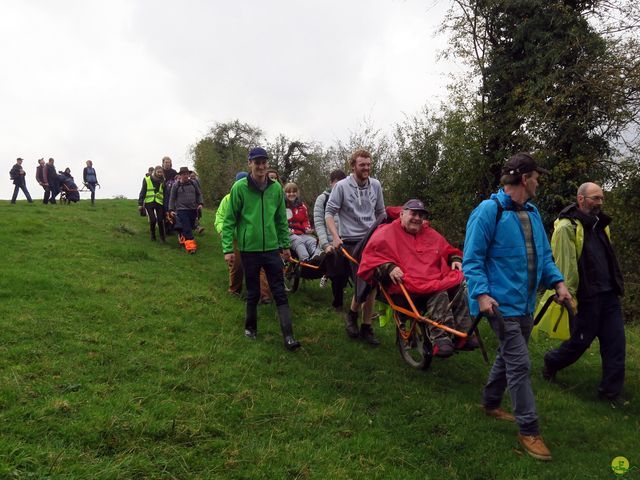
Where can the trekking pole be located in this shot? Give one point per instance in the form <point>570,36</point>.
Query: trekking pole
<point>543,310</point>
<point>566,304</point>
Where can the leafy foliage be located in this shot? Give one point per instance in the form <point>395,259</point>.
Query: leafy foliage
<point>221,154</point>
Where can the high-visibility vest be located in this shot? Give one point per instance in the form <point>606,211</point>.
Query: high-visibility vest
<point>555,321</point>
<point>152,195</point>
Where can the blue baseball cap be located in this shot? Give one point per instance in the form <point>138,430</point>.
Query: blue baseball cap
<point>257,152</point>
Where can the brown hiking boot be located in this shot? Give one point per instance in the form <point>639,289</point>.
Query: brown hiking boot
<point>499,414</point>
<point>534,445</point>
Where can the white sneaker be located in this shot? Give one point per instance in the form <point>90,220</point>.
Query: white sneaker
<point>323,281</point>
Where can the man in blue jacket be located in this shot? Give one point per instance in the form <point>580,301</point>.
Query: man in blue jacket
<point>506,256</point>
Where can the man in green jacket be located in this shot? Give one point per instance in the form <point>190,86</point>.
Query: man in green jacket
<point>257,216</point>
<point>236,273</point>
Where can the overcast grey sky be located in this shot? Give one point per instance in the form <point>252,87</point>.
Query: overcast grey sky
<point>126,82</point>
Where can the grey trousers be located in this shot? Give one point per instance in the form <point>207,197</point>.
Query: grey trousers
<point>304,245</point>
<point>512,370</point>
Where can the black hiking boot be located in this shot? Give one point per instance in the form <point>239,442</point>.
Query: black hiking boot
<point>366,333</point>
<point>291,344</point>
<point>351,324</point>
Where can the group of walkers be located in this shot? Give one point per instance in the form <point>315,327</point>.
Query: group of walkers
<point>53,182</point>
<point>171,201</point>
<point>506,257</point>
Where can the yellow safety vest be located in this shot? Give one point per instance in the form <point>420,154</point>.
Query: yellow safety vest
<point>152,195</point>
<point>555,321</point>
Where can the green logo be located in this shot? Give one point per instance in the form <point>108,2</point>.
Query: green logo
<point>620,466</point>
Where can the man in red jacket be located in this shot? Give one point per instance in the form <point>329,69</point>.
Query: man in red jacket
<point>410,252</point>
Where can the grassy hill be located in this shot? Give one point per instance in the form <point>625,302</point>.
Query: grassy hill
<point>123,358</point>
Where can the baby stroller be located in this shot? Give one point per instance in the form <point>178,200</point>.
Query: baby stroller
<point>68,188</point>
<point>412,335</point>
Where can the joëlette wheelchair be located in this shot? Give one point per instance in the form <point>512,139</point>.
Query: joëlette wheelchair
<point>412,335</point>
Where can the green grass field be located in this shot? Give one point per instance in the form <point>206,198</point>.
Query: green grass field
<point>124,359</point>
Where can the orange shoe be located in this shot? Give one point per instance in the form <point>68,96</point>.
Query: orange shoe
<point>191,246</point>
<point>499,414</point>
<point>534,445</point>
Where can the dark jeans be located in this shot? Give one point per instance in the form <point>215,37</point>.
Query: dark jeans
<point>54,190</point>
<point>361,289</point>
<point>511,369</point>
<point>187,219</point>
<point>599,317</point>
<point>335,270</point>
<point>271,262</point>
<point>47,193</point>
<point>155,214</point>
<point>21,185</point>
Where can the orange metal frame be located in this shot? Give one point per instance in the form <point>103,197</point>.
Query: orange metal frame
<point>304,264</point>
<point>413,313</point>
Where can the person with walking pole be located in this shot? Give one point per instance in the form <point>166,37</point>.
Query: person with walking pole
<point>506,256</point>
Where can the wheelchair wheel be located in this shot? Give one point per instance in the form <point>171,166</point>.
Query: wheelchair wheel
<point>291,277</point>
<point>417,350</point>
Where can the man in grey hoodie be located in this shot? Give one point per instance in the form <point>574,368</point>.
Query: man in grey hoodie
<point>358,202</point>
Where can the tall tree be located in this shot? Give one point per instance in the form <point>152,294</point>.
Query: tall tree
<point>220,154</point>
<point>550,82</point>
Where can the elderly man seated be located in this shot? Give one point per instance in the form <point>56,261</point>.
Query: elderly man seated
<point>410,252</point>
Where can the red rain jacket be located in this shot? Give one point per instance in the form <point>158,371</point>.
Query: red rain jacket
<point>424,258</point>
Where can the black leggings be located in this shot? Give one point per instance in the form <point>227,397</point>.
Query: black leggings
<point>155,214</point>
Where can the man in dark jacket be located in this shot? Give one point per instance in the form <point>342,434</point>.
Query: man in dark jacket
<point>257,217</point>
<point>185,203</point>
<point>52,179</point>
<point>583,252</point>
<point>17,175</point>
<point>41,178</point>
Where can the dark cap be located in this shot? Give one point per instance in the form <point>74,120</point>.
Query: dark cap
<point>521,163</point>
<point>414,204</point>
<point>184,170</point>
<point>257,152</point>
<point>18,159</point>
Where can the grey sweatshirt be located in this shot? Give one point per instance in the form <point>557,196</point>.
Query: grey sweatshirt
<point>357,207</point>
<point>324,235</point>
<point>185,196</point>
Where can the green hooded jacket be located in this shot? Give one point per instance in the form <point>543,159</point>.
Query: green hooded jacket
<point>221,212</point>
<point>566,244</point>
<point>258,218</point>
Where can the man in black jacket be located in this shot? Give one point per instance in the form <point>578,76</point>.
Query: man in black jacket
<point>17,175</point>
<point>52,179</point>
<point>584,254</point>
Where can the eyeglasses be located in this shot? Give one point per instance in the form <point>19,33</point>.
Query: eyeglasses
<point>596,198</point>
